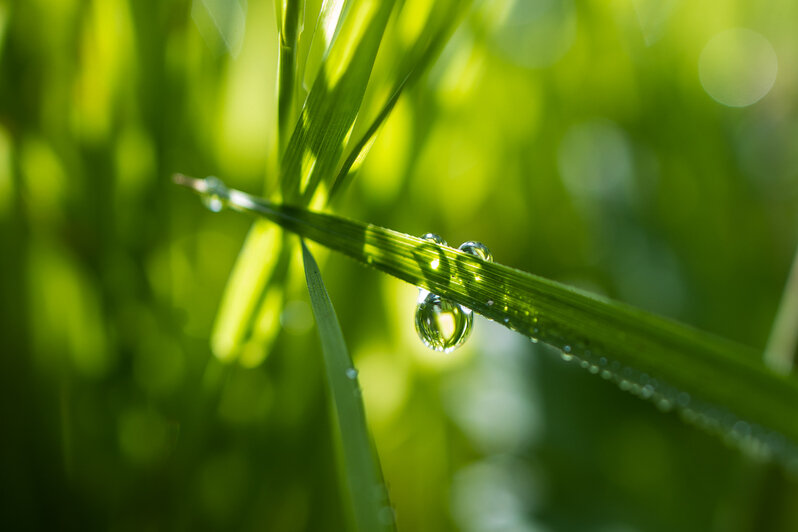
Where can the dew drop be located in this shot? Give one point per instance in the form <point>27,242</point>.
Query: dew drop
<point>478,249</point>
<point>490,302</point>
<point>215,195</point>
<point>567,348</point>
<point>442,325</point>
<point>432,237</point>
<point>351,373</point>
<point>565,356</point>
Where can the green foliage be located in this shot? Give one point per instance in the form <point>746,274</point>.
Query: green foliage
<point>144,387</point>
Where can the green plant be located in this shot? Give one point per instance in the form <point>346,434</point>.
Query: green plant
<point>719,385</point>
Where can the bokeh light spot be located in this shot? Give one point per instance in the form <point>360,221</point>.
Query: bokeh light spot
<point>738,67</point>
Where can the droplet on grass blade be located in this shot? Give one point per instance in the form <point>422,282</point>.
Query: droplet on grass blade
<point>442,325</point>
<point>215,195</point>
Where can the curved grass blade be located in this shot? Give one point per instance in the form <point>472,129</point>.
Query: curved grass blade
<point>714,382</point>
<point>364,479</point>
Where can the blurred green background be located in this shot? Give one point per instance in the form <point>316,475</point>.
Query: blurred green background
<point>645,150</point>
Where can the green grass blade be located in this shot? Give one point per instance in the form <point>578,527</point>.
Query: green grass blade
<point>326,27</point>
<point>289,28</point>
<point>715,382</point>
<point>783,341</point>
<point>364,479</point>
<point>334,100</point>
<point>439,36</point>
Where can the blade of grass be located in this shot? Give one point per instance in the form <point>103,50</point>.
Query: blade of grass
<point>364,479</point>
<point>334,100</point>
<point>783,341</point>
<point>286,61</point>
<point>327,26</point>
<point>437,39</point>
<point>715,382</point>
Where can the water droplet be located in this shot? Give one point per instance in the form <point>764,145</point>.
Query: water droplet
<point>442,324</point>
<point>478,249</point>
<point>215,195</point>
<point>432,237</point>
<point>567,348</point>
<point>490,302</point>
<point>566,357</point>
<point>351,373</point>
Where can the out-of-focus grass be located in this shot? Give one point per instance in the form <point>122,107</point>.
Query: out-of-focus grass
<point>575,139</point>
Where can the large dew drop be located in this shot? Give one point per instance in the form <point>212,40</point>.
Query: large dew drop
<point>442,324</point>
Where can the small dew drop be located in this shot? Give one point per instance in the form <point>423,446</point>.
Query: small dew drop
<point>605,374</point>
<point>565,356</point>
<point>215,195</point>
<point>567,348</point>
<point>432,237</point>
<point>351,373</point>
<point>489,303</point>
<point>478,249</point>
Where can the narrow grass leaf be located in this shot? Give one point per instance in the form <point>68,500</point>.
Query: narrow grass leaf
<point>327,25</point>
<point>364,479</point>
<point>289,29</point>
<point>437,37</point>
<point>334,100</point>
<point>783,342</point>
